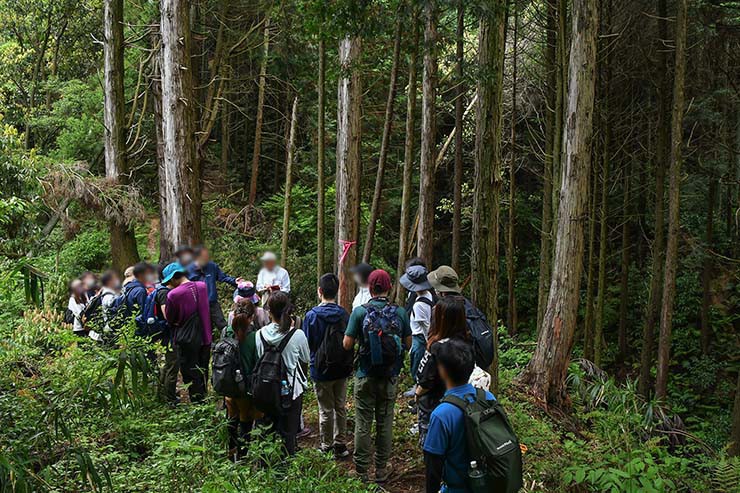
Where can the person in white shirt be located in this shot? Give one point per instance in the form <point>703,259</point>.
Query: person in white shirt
<point>361,273</point>
<point>111,289</point>
<point>420,316</point>
<point>77,302</point>
<point>271,277</point>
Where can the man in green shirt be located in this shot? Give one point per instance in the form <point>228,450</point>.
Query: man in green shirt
<point>383,335</point>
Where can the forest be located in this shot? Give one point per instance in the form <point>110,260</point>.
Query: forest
<point>577,163</point>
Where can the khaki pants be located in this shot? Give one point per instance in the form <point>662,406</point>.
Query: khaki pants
<point>332,399</point>
<point>375,398</point>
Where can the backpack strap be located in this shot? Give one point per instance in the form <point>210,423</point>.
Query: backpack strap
<point>284,342</point>
<point>456,401</point>
<point>425,300</point>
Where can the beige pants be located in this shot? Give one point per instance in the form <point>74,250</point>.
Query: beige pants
<point>332,399</point>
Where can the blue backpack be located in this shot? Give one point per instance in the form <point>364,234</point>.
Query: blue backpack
<point>383,348</point>
<point>150,322</point>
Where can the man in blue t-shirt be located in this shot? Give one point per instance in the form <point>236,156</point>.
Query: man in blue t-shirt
<point>445,452</point>
<point>375,386</point>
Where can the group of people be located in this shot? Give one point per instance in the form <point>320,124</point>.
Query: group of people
<point>437,329</point>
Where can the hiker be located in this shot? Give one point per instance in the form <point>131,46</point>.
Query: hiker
<point>331,365</point>
<point>360,273</point>
<point>185,255</point>
<point>240,411</point>
<point>381,329</point>
<point>245,290</point>
<point>420,315</point>
<point>172,276</point>
<point>75,306</point>
<point>283,334</point>
<point>448,322</point>
<point>189,318</point>
<point>445,282</point>
<point>109,292</point>
<point>271,277</point>
<point>128,276</point>
<point>138,289</point>
<point>208,271</point>
<point>90,280</point>
<point>446,455</point>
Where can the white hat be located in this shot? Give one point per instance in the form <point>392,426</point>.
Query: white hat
<point>268,256</point>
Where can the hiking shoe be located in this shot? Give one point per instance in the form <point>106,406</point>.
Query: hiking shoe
<point>383,473</point>
<point>306,431</point>
<point>362,476</point>
<point>324,450</point>
<point>340,451</point>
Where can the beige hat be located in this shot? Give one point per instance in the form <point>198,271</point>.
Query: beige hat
<point>444,280</point>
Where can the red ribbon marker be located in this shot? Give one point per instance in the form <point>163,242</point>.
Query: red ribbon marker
<point>346,245</point>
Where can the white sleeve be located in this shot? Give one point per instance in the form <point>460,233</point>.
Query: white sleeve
<point>260,281</point>
<point>285,281</point>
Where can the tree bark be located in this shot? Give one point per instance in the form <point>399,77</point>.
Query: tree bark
<point>625,265</point>
<point>257,149</point>
<point>488,174</point>
<point>181,199</point>
<point>734,449</point>
<point>706,270</point>
<point>655,295</point>
<point>321,155</point>
<point>288,182</point>
<point>425,232</point>
<point>122,239</point>
<point>588,322</point>
<point>674,196</point>
<point>384,143</point>
<point>560,102</point>
<point>547,370</point>
<point>408,159</point>
<point>348,163</point>
<point>459,109</point>
<point>511,315</point>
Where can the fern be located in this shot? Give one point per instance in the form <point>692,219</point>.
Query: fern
<point>726,476</point>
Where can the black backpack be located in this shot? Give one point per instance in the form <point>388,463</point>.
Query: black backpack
<point>227,375</point>
<point>331,359</point>
<point>382,345</point>
<point>491,444</point>
<point>481,333</point>
<point>93,316</point>
<point>265,382</point>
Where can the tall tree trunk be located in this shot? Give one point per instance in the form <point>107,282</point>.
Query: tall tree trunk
<point>257,149</point>
<point>459,109</point>
<point>560,103</point>
<point>655,296</point>
<point>706,270</point>
<point>321,155</point>
<point>122,239</point>
<point>511,316</point>
<point>225,136</point>
<point>547,370</point>
<point>385,142</point>
<point>348,164</point>
<point>625,265</point>
<point>408,159</point>
<point>588,322</point>
<point>425,232</point>
<point>543,281</point>
<point>488,174</point>
<point>289,182</point>
<point>734,449</point>
<point>674,196</point>
<point>181,200</point>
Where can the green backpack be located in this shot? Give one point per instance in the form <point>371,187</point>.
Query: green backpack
<point>492,445</point>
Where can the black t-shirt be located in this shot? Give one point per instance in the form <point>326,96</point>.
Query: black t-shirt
<point>428,378</point>
<point>161,296</point>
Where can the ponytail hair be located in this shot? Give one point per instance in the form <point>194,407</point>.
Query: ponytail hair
<point>281,310</point>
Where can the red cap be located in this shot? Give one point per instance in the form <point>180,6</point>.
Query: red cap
<point>379,281</point>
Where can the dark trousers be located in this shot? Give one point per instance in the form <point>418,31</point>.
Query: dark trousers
<point>217,316</point>
<point>288,423</point>
<point>193,361</point>
<point>168,376</point>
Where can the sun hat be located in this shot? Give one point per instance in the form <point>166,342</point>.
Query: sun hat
<point>444,280</point>
<point>415,279</point>
<point>246,291</point>
<point>268,256</point>
<point>170,270</point>
<point>363,269</point>
<point>379,281</point>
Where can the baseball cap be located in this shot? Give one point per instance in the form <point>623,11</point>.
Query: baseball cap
<point>379,281</point>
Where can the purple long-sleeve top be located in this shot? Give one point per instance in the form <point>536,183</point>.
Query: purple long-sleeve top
<point>183,301</point>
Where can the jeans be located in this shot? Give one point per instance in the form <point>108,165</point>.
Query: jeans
<point>418,347</point>
<point>332,399</point>
<point>168,376</point>
<point>375,398</point>
<point>193,361</point>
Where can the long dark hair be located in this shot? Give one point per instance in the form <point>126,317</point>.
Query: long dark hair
<point>448,320</point>
<point>281,310</point>
<point>243,314</point>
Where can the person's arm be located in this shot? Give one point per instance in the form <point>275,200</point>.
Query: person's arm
<point>284,281</point>
<point>434,465</point>
<point>204,309</point>
<point>422,315</point>
<point>353,328</point>
<point>260,287</point>
<point>141,298</point>
<point>173,309</point>
<point>222,277</point>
